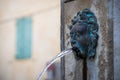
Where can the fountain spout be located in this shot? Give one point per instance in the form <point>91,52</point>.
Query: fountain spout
<point>84,36</point>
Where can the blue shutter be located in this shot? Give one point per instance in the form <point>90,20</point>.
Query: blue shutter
<point>24,29</point>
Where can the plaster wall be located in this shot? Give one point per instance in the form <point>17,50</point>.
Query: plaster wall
<point>45,16</point>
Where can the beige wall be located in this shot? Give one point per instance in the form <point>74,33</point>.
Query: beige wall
<point>45,36</point>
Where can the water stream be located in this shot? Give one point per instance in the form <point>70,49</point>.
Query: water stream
<point>60,55</point>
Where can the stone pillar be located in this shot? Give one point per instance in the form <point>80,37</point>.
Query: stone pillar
<point>101,67</point>
<point>116,39</point>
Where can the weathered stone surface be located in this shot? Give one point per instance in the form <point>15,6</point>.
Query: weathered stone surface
<point>100,68</point>
<point>116,12</point>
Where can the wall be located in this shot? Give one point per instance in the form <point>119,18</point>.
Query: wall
<point>116,40</point>
<point>101,67</point>
<point>45,37</point>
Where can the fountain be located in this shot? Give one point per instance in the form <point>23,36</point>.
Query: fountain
<point>84,37</point>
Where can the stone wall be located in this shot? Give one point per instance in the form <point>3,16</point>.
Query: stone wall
<point>101,67</point>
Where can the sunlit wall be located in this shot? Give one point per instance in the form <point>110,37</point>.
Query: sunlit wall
<point>45,37</point>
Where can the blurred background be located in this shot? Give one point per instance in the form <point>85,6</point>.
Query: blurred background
<point>29,38</point>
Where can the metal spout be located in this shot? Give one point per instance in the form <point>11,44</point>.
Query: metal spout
<point>84,36</point>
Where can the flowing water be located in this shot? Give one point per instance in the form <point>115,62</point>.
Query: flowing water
<point>60,55</point>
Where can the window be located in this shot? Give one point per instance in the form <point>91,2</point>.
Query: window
<point>24,31</point>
